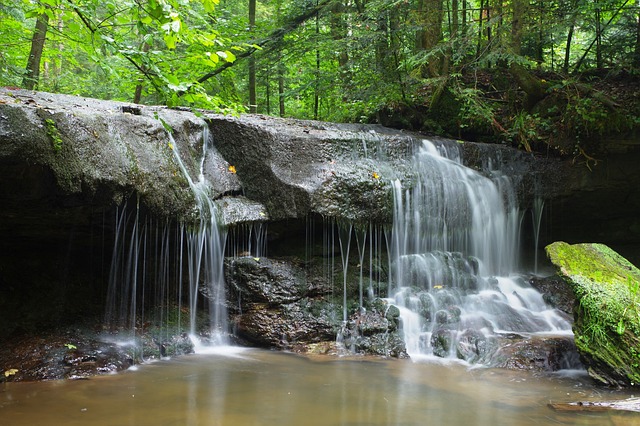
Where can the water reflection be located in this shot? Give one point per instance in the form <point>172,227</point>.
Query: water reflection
<point>267,388</point>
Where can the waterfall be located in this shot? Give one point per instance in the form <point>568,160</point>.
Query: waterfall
<point>205,251</point>
<point>150,260</point>
<point>454,252</point>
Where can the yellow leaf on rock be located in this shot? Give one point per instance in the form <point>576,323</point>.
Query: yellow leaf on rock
<point>232,169</point>
<point>375,175</point>
<point>10,372</point>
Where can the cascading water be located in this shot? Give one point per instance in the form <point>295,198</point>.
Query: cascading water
<point>454,252</point>
<point>150,260</point>
<point>205,251</point>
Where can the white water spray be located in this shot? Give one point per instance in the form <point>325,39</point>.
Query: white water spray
<point>205,251</point>
<point>454,252</point>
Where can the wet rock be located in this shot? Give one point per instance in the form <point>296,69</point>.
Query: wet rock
<point>606,321</point>
<point>263,280</point>
<point>392,314</point>
<point>285,326</point>
<point>375,332</point>
<point>471,346</point>
<point>389,345</point>
<point>175,345</point>
<point>67,355</point>
<point>555,291</point>
<point>442,341</point>
<point>454,271</point>
<point>537,353</point>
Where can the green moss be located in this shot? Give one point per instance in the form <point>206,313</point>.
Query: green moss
<point>54,134</point>
<point>607,320</point>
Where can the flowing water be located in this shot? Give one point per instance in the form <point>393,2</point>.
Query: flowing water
<point>149,263</point>
<point>455,250</point>
<point>253,387</point>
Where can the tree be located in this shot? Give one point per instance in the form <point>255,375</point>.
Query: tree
<point>253,103</point>
<point>32,72</point>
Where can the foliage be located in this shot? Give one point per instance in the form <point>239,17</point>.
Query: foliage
<point>347,60</point>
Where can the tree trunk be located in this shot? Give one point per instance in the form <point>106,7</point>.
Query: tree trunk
<point>316,94</point>
<point>137,96</point>
<point>636,62</point>
<point>534,88</point>
<point>480,26</point>
<point>339,31</point>
<point>267,89</point>
<point>454,19</point>
<point>253,103</point>
<point>430,18</point>
<point>598,39</point>
<point>281,70</point>
<point>567,50</point>
<point>517,25</point>
<point>32,74</point>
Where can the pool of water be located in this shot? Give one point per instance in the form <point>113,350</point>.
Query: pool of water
<point>255,387</point>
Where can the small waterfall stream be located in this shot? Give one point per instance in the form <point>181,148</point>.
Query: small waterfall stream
<point>205,251</point>
<point>454,257</point>
<point>149,263</point>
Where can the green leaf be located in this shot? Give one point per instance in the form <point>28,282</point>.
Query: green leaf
<point>226,55</point>
<point>170,40</point>
<point>32,13</point>
<point>209,5</point>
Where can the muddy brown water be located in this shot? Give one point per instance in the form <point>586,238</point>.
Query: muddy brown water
<point>255,387</point>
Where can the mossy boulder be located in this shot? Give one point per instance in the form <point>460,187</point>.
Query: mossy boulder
<point>606,312</point>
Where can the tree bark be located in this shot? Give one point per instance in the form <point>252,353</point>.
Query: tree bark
<point>517,25</point>
<point>454,19</point>
<point>137,95</point>
<point>636,61</point>
<point>32,74</point>
<point>430,18</point>
<point>567,50</point>
<point>281,70</point>
<point>316,94</point>
<point>253,102</point>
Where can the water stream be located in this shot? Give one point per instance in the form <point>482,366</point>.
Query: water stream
<point>454,254</point>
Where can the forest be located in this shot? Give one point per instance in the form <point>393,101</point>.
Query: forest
<point>558,76</point>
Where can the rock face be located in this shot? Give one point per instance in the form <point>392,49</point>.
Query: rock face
<point>75,171</point>
<point>278,304</point>
<point>606,312</point>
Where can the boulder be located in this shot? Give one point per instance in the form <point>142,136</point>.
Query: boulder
<point>273,304</point>
<point>536,353</point>
<point>606,311</point>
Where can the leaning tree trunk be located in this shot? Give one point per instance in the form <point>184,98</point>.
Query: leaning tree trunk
<point>30,80</point>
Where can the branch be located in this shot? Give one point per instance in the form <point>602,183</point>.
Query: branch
<point>271,41</point>
<point>86,21</point>
<point>586,52</point>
